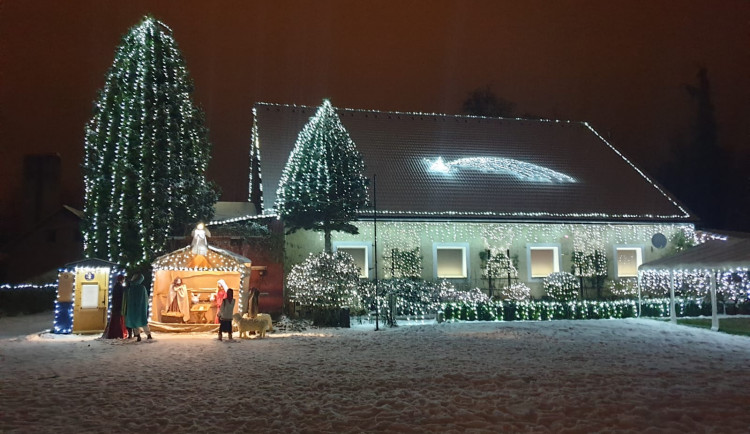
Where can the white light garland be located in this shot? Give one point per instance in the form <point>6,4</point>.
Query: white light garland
<point>524,214</point>
<point>242,219</point>
<point>733,284</point>
<point>419,236</point>
<point>685,214</point>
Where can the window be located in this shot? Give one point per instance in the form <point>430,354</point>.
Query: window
<point>89,296</point>
<point>450,261</point>
<point>543,260</point>
<point>361,254</point>
<point>628,261</point>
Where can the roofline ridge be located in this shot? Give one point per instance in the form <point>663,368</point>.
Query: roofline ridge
<point>394,112</point>
<point>530,215</point>
<point>638,170</point>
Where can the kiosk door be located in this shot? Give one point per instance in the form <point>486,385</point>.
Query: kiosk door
<point>91,301</point>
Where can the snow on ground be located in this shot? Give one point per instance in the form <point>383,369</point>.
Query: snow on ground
<point>634,375</point>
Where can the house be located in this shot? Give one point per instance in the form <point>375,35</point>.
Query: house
<point>453,189</point>
<point>37,253</point>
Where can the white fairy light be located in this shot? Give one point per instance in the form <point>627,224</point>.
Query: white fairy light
<point>145,151</point>
<point>522,170</point>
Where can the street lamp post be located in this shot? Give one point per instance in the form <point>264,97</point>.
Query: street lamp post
<point>375,247</point>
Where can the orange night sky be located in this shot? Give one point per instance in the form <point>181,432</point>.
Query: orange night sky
<point>621,65</point>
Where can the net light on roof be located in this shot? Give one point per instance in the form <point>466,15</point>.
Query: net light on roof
<point>521,170</point>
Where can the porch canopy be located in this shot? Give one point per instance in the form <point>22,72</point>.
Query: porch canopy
<point>711,257</point>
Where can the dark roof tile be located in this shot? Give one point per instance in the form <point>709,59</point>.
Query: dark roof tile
<point>399,147</point>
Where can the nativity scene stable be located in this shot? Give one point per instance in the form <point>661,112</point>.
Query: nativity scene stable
<point>459,194</point>
<point>189,285</point>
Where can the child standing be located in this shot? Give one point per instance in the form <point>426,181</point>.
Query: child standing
<point>225,314</point>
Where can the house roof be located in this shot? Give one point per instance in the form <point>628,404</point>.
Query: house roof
<point>491,167</point>
<point>714,254</point>
<point>64,211</point>
<point>233,211</point>
<point>91,263</point>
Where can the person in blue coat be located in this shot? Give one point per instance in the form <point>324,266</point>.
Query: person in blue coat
<point>136,307</point>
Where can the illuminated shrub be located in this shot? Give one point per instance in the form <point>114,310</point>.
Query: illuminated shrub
<point>325,280</point>
<point>517,291</point>
<point>416,297</point>
<point>474,295</point>
<point>623,288</point>
<point>561,286</point>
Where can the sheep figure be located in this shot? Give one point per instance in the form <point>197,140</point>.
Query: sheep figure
<point>262,315</point>
<point>245,325</point>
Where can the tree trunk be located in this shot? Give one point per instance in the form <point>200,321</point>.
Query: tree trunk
<point>328,247</point>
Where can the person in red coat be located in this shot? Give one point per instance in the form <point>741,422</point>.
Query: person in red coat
<point>116,326</point>
<point>221,294</point>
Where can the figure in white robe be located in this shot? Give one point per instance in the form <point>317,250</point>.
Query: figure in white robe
<point>199,246</point>
<point>178,299</point>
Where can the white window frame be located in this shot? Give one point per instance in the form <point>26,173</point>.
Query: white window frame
<point>357,245</point>
<point>638,258</point>
<point>556,255</point>
<point>450,246</point>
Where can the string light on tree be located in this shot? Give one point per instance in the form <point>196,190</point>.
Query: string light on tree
<point>323,184</point>
<point>146,152</point>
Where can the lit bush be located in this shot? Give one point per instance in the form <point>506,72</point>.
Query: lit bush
<point>326,280</point>
<point>416,297</point>
<point>623,288</point>
<point>517,291</point>
<point>474,295</point>
<point>411,297</point>
<point>561,286</point>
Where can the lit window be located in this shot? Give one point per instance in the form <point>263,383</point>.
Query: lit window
<point>543,261</point>
<point>360,253</point>
<point>450,261</point>
<point>90,296</point>
<point>628,261</point>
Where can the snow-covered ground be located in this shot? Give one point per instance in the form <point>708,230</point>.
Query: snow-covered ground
<point>561,376</point>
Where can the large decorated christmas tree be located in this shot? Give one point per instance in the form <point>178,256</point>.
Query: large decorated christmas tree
<point>323,184</point>
<point>146,152</point>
